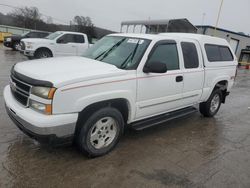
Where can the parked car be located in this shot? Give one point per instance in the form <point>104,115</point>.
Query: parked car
<point>60,43</point>
<point>14,40</point>
<point>134,80</point>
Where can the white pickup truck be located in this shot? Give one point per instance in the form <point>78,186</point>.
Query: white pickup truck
<point>60,43</point>
<point>134,80</point>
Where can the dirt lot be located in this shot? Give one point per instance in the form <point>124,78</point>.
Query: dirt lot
<point>190,152</point>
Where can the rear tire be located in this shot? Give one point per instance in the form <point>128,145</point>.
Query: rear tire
<point>40,54</point>
<point>100,133</point>
<point>212,105</point>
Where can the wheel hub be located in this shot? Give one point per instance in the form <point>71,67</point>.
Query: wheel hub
<point>215,102</point>
<point>103,132</point>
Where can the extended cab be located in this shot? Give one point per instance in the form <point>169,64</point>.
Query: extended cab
<point>14,40</point>
<point>135,80</point>
<point>60,43</point>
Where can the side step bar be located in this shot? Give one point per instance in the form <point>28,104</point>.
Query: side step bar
<point>143,124</point>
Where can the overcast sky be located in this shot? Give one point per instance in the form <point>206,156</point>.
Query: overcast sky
<point>108,14</point>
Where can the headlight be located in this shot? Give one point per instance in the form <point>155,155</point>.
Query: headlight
<point>8,39</point>
<point>43,108</point>
<point>29,45</point>
<point>43,92</point>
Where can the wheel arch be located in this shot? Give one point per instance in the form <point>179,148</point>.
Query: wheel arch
<point>120,104</point>
<point>221,84</point>
<point>44,48</point>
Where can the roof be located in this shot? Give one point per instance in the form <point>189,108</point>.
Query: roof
<point>198,37</point>
<point>224,30</point>
<point>70,32</point>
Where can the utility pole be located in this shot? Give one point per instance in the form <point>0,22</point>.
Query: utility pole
<point>218,17</point>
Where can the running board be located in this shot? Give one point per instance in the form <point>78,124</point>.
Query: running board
<point>143,124</point>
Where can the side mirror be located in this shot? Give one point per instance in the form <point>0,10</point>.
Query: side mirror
<point>155,67</point>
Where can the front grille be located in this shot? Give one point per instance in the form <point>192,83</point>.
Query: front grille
<point>22,44</point>
<point>20,90</point>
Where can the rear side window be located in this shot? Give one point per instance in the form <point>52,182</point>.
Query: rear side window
<point>218,53</point>
<point>226,53</point>
<point>190,55</point>
<point>166,53</point>
<point>79,39</point>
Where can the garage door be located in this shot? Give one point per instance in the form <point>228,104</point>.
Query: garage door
<point>234,44</point>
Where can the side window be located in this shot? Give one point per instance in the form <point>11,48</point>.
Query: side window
<point>166,53</point>
<point>79,39</point>
<point>67,38</point>
<point>31,35</point>
<point>218,53</point>
<point>213,52</point>
<point>190,55</point>
<point>42,35</point>
<point>226,54</point>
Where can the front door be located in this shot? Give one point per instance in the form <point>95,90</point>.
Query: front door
<point>158,93</point>
<point>66,46</point>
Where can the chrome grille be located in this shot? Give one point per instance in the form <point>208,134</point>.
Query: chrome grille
<point>20,90</point>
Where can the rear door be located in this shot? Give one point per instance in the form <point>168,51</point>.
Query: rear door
<point>66,46</point>
<point>193,72</point>
<point>81,44</point>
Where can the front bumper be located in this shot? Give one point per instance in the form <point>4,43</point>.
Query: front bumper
<point>51,129</point>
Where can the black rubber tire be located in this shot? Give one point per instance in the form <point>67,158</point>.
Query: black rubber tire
<point>14,47</point>
<point>83,137</point>
<point>30,57</point>
<point>43,54</point>
<point>205,106</point>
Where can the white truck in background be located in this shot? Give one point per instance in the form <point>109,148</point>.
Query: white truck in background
<point>60,43</point>
<point>134,80</point>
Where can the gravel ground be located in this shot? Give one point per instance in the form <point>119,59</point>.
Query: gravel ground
<point>190,152</point>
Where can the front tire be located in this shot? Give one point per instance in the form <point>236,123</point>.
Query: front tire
<point>212,105</point>
<point>101,132</point>
<point>41,54</point>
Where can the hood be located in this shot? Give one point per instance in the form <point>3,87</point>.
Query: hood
<point>67,70</point>
<point>37,40</point>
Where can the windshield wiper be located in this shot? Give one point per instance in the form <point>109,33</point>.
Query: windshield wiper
<point>132,54</point>
<point>105,53</point>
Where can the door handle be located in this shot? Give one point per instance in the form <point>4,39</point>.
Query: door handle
<point>179,78</point>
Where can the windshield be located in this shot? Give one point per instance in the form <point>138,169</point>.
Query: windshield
<point>52,36</point>
<point>24,34</point>
<point>123,52</point>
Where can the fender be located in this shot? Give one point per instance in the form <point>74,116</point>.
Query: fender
<point>85,101</point>
<point>208,90</point>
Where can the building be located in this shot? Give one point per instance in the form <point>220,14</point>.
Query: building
<point>158,26</point>
<point>239,42</point>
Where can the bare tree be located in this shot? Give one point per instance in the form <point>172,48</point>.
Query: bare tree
<point>27,16</point>
<point>83,21</point>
